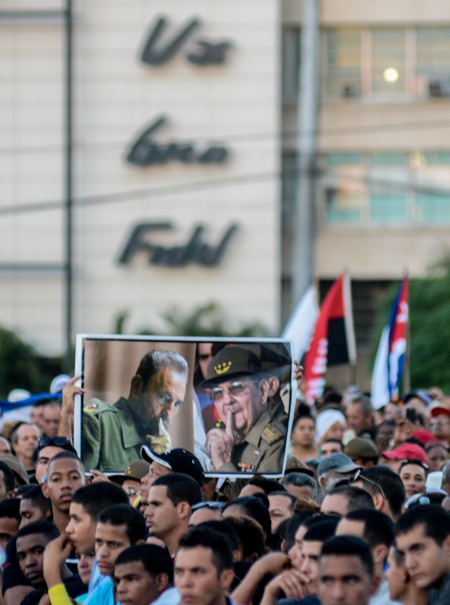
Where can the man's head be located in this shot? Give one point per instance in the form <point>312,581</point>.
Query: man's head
<point>178,460</point>
<point>311,548</point>
<point>30,545</point>
<point>397,575</point>
<point>24,441</point>
<point>142,573</point>
<point>169,504</point>
<point>118,527</point>
<point>346,574</point>
<point>34,506</point>
<point>87,503</point>
<point>385,487</point>
<point>363,452</point>
<point>342,500</point>
<point>422,535</point>
<point>205,511</point>
<point>331,446</point>
<point>5,446</point>
<point>158,388</point>
<point>9,520</point>
<point>281,507</point>
<point>203,568</point>
<point>51,416</point>
<point>334,468</point>
<point>237,388</point>
<point>65,474</point>
<point>374,527</point>
<point>300,485</point>
<point>48,447</point>
<point>360,414</point>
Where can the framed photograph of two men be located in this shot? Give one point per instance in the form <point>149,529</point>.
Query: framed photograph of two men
<point>229,401</point>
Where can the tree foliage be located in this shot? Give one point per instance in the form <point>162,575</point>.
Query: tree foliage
<point>205,320</point>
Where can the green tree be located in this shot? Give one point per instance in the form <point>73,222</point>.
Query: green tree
<point>205,320</point>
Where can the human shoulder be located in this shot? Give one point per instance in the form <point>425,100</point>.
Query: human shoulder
<point>273,431</point>
<point>97,406</point>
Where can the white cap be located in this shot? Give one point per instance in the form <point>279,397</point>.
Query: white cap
<point>58,383</point>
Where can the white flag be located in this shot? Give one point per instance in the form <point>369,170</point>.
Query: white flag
<point>301,324</point>
<point>380,380</point>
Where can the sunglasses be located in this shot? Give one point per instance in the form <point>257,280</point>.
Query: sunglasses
<point>358,477</point>
<point>235,388</point>
<point>131,491</point>
<point>213,505</point>
<point>57,442</point>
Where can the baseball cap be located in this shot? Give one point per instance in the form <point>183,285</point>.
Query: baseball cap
<point>407,451</point>
<point>231,362</point>
<point>294,465</point>
<point>58,383</point>
<point>337,462</point>
<point>178,460</point>
<point>424,436</point>
<point>361,447</point>
<point>136,470</point>
<point>437,410</point>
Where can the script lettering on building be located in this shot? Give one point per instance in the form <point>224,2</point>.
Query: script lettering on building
<point>195,250</point>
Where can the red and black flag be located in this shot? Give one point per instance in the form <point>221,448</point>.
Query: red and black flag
<point>333,340</point>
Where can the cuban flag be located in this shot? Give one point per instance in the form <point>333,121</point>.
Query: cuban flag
<point>388,368</point>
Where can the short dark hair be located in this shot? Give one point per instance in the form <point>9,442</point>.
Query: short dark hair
<point>180,488</point>
<point>349,546</point>
<point>319,532</point>
<point>10,508</point>
<point>39,527</point>
<point>355,496</point>
<point>8,476</point>
<point>154,361</point>
<point>34,493</point>
<point>287,495</point>
<point>267,485</point>
<point>124,514</point>
<point>332,440</point>
<point>156,560</point>
<point>225,528</point>
<point>62,455</point>
<point>97,496</point>
<point>255,509</point>
<point>378,527</point>
<point>221,552</point>
<point>434,519</point>
<point>389,483</point>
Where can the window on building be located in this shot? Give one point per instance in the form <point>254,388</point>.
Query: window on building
<point>387,188</point>
<point>386,62</point>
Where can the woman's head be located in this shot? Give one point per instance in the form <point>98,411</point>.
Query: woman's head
<point>330,424</point>
<point>303,431</point>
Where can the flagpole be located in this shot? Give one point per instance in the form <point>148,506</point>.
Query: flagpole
<point>352,373</point>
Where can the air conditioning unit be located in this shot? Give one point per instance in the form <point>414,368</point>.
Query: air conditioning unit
<point>350,90</point>
<point>438,88</point>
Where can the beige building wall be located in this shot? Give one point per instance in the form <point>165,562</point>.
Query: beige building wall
<point>116,97</point>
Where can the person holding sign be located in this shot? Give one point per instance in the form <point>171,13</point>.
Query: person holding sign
<point>253,440</point>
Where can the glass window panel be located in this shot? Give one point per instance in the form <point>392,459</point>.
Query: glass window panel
<point>388,60</point>
<point>343,159</point>
<point>436,157</point>
<point>388,208</point>
<point>344,206</point>
<point>432,208</point>
<point>433,51</point>
<point>343,62</point>
<point>389,159</point>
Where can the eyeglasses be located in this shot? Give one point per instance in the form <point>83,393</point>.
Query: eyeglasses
<point>213,505</point>
<point>130,491</point>
<point>235,388</point>
<point>358,477</point>
<point>56,441</point>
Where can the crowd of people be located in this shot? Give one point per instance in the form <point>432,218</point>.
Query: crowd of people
<point>360,515</point>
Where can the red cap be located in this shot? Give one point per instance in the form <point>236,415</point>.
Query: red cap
<point>437,410</point>
<point>407,451</point>
<point>423,436</point>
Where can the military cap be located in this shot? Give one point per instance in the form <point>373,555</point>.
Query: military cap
<point>361,447</point>
<point>136,470</point>
<point>294,465</point>
<point>231,362</point>
<point>17,467</point>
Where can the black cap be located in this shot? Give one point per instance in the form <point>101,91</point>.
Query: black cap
<point>178,460</point>
<point>231,362</point>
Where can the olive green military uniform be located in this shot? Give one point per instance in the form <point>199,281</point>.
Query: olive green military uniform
<point>110,441</point>
<point>261,451</point>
